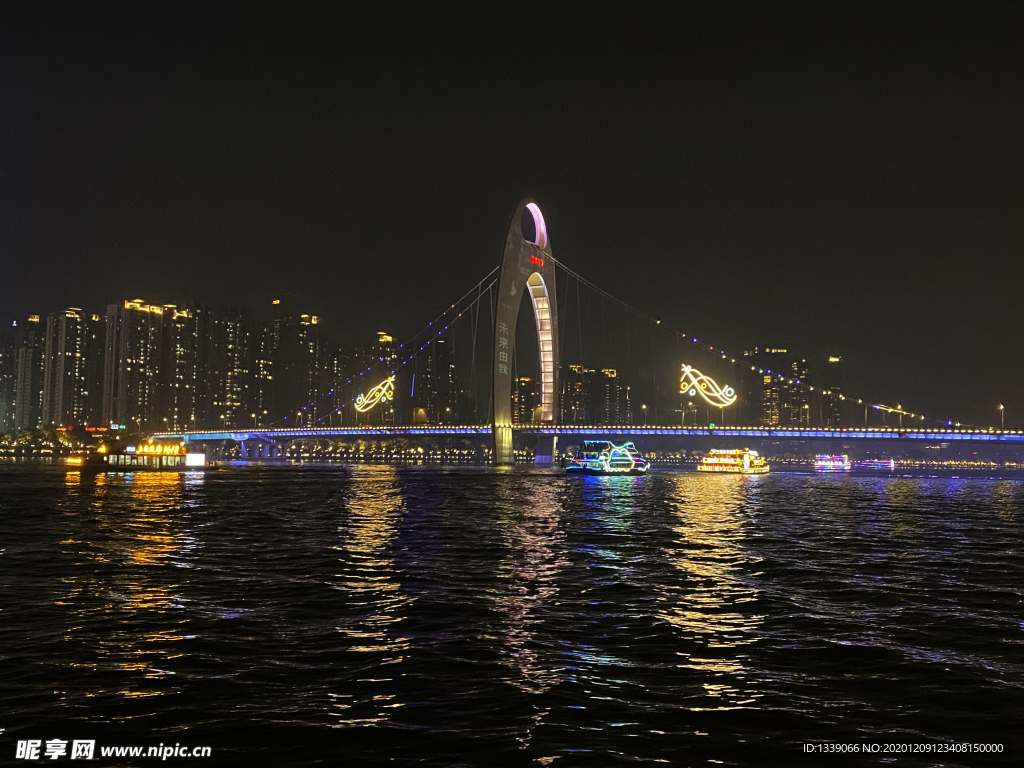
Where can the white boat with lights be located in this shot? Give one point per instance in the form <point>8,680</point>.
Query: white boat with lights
<point>601,457</point>
<point>738,461</point>
<point>877,464</point>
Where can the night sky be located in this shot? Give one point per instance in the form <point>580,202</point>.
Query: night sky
<point>848,183</point>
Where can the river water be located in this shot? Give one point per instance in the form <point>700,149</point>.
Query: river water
<point>372,615</point>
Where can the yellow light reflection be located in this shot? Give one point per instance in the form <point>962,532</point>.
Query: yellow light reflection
<point>132,526</point>
<point>707,605</point>
<point>371,581</point>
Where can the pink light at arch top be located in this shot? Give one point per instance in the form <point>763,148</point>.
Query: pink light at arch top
<point>538,220</point>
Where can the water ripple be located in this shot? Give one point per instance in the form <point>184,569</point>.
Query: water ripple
<point>470,616</point>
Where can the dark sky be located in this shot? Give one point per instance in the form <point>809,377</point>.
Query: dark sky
<point>849,182</point>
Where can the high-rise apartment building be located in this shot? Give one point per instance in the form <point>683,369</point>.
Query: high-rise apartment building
<point>29,352</point>
<point>784,402</point>
<point>795,406</point>
<point>288,366</point>
<point>73,368</point>
<point>594,397</point>
<point>8,379</point>
<point>611,399</point>
<point>576,393</point>
<point>226,393</point>
<point>131,365</point>
<point>832,391</point>
<point>524,400</point>
<point>178,374</point>
<point>261,370</point>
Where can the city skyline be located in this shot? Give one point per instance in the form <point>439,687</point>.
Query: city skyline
<point>195,367</point>
<point>836,215</point>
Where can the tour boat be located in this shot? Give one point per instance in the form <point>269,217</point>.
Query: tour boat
<point>145,457</point>
<point>740,461</point>
<point>600,457</point>
<point>830,463</point>
<point>877,464</point>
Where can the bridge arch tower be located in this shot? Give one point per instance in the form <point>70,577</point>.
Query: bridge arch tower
<point>526,265</point>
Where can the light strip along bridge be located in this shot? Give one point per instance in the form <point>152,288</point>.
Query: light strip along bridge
<point>881,433</point>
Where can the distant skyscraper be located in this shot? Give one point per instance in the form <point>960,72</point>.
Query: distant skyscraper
<point>832,390</point>
<point>29,370</point>
<point>289,366</point>
<point>783,404</point>
<point>795,408</point>
<point>262,344</point>
<point>178,369</point>
<point>524,400</point>
<point>226,392</point>
<point>447,386</point>
<point>132,361</point>
<point>577,385</point>
<point>594,397</point>
<point>73,368</point>
<point>611,399</point>
<point>8,379</point>
<point>766,389</point>
<point>427,394</point>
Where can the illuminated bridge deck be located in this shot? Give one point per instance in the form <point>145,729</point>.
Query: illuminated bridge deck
<point>283,435</point>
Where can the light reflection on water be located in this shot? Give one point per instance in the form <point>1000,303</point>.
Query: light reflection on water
<point>373,591</point>
<point>467,616</point>
<point>531,527</point>
<point>707,604</point>
<point>135,533</point>
<point>533,538</point>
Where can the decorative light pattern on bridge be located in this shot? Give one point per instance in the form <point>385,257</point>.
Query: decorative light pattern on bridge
<point>383,391</point>
<point>725,356</point>
<point>694,382</point>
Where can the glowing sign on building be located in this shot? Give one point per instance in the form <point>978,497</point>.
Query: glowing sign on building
<point>383,391</point>
<point>172,449</point>
<point>694,382</point>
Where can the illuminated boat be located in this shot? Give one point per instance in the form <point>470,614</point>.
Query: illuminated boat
<point>145,457</point>
<point>600,457</point>
<point>739,461</point>
<point>877,464</point>
<point>824,462</point>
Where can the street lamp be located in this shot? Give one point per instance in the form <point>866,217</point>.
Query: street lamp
<point>253,420</point>
<point>643,408</point>
<point>1002,416</point>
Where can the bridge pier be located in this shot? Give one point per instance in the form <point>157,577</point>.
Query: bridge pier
<point>545,450</point>
<point>255,450</point>
<point>504,455</point>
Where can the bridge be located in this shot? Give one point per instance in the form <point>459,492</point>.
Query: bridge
<point>274,443</point>
<point>528,268</point>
